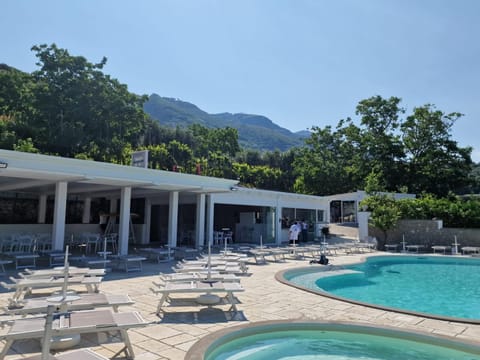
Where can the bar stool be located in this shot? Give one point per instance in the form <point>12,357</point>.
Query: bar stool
<point>227,235</point>
<point>217,237</point>
<point>111,241</point>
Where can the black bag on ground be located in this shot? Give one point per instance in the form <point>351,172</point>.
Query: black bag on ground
<point>323,260</point>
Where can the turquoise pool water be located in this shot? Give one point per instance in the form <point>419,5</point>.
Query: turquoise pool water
<point>325,344</point>
<point>434,285</point>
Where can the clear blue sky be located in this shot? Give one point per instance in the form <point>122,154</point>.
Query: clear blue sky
<point>302,63</point>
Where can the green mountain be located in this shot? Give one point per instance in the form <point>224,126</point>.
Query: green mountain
<point>254,131</point>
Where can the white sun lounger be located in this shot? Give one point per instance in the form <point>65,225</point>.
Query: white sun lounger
<point>440,248</point>
<point>217,261</point>
<point>470,250</point>
<point>127,263</point>
<point>278,254</point>
<point>229,257</point>
<point>60,272</point>
<point>204,262</point>
<point>76,303</point>
<point>186,277</point>
<point>391,247</point>
<point>157,254</point>
<point>78,354</point>
<point>23,287</point>
<point>77,322</point>
<point>224,269</point>
<point>414,248</point>
<point>199,287</point>
<point>298,251</point>
<point>259,255</point>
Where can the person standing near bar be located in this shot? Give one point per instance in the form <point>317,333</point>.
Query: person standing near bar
<point>304,226</point>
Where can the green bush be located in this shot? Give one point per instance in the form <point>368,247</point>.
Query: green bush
<point>454,211</point>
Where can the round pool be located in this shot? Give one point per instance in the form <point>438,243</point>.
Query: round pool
<point>300,340</point>
<point>432,286</point>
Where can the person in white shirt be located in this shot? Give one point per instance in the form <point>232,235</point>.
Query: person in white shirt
<point>293,233</point>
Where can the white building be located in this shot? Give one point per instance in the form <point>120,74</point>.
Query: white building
<point>65,197</point>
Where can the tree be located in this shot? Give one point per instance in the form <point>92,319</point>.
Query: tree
<point>384,214</point>
<point>25,146</point>
<point>221,140</point>
<point>374,183</point>
<point>436,164</point>
<point>181,156</point>
<point>258,176</point>
<point>380,145</point>
<point>81,110</point>
<point>158,157</point>
<point>319,166</point>
<point>16,105</point>
<point>219,165</point>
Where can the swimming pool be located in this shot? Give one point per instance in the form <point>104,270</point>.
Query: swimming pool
<point>295,340</point>
<point>443,287</point>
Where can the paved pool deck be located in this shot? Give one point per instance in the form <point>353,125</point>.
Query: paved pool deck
<point>170,336</point>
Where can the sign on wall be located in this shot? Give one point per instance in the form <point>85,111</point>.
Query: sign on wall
<point>140,159</point>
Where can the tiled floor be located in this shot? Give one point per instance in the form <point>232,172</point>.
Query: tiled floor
<point>171,335</point>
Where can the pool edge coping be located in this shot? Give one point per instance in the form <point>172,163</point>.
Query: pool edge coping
<point>220,337</point>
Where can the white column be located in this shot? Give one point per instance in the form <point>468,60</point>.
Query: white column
<point>278,225</point>
<point>147,221</point>
<point>58,235</point>
<point>210,216</point>
<point>113,206</point>
<point>173,218</point>
<point>87,205</point>
<point>42,208</point>
<point>200,221</point>
<point>124,222</point>
<point>363,217</point>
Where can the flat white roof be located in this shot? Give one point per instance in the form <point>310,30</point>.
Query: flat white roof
<point>35,173</point>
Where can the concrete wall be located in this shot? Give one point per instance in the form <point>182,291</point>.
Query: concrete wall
<point>428,232</point>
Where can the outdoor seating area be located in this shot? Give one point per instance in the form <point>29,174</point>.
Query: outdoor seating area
<point>59,319</point>
<point>168,299</point>
<point>25,250</point>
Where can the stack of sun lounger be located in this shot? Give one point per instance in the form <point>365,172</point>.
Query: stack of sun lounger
<point>49,278</point>
<point>198,287</point>
<point>202,265</point>
<point>38,305</point>
<point>58,325</point>
<point>206,276</point>
<point>24,286</point>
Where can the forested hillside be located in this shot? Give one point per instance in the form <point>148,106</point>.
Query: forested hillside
<point>71,107</point>
<point>254,131</point>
